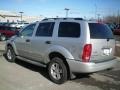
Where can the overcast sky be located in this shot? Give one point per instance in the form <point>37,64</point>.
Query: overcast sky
<point>53,8</point>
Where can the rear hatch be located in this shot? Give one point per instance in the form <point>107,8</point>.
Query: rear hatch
<point>103,43</point>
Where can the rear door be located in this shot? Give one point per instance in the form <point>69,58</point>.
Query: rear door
<point>103,43</point>
<point>42,41</point>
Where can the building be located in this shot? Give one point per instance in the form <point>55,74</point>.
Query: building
<point>9,16</point>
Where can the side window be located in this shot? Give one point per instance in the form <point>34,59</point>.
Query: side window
<point>45,29</point>
<point>1,28</point>
<point>69,29</point>
<point>28,31</point>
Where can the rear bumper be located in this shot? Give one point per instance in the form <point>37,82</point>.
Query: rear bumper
<point>81,67</point>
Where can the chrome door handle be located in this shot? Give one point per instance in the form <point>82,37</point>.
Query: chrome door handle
<point>27,40</point>
<point>48,42</point>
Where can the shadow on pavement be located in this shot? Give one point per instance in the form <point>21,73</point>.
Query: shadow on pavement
<point>43,71</point>
<point>111,82</point>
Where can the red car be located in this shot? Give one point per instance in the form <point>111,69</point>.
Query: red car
<point>116,32</point>
<point>6,32</point>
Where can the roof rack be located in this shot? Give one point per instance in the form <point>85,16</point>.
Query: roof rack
<point>62,19</point>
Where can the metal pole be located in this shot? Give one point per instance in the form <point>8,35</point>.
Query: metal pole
<point>98,17</point>
<point>66,9</point>
<point>21,15</point>
<point>118,16</point>
<point>95,11</point>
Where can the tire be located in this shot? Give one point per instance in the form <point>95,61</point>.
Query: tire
<point>2,37</point>
<point>10,54</point>
<point>57,70</point>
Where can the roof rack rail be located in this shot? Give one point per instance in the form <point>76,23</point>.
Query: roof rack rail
<point>61,18</point>
<point>49,19</point>
<point>78,18</point>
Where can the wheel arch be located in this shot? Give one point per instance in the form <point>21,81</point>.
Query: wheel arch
<point>13,46</point>
<point>57,54</point>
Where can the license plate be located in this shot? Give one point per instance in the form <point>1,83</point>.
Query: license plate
<point>107,51</point>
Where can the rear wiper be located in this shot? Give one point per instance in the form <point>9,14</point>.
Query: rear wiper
<point>108,39</point>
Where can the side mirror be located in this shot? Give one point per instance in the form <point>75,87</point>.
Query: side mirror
<point>17,33</point>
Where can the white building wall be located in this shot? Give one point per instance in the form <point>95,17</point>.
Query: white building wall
<point>18,18</point>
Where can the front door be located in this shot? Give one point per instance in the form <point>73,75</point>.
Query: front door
<point>23,41</point>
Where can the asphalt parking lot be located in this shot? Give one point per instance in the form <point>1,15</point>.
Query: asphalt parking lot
<point>23,76</point>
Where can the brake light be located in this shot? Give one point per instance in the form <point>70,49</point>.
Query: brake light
<point>86,53</point>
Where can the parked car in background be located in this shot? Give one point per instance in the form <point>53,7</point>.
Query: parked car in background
<point>4,23</point>
<point>18,25</point>
<point>112,26</point>
<point>14,24</point>
<point>64,46</point>
<point>7,32</point>
<point>116,31</point>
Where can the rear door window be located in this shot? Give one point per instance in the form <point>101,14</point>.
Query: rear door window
<point>100,31</point>
<point>45,29</point>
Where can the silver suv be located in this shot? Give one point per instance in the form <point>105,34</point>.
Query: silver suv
<point>64,46</point>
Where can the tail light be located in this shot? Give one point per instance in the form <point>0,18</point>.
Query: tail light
<point>86,53</point>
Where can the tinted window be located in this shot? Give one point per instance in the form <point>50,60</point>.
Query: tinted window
<point>7,28</point>
<point>28,31</point>
<point>69,29</point>
<point>100,31</point>
<point>45,29</point>
<point>13,28</point>
<point>2,27</point>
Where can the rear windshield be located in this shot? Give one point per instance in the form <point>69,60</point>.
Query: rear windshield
<point>100,31</point>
